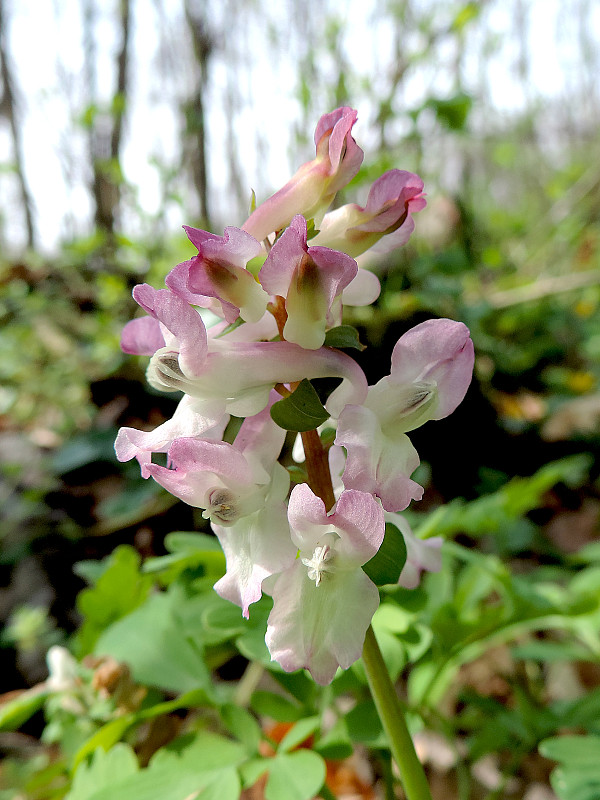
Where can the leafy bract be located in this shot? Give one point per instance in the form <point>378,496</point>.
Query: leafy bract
<point>301,411</point>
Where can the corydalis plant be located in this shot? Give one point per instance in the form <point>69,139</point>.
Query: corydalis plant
<point>273,336</point>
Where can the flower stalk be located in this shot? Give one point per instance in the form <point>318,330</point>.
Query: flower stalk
<point>393,721</point>
<point>317,467</point>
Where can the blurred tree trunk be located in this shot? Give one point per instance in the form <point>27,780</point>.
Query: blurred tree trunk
<point>195,142</point>
<point>8,109</point>
<point>106,128</point>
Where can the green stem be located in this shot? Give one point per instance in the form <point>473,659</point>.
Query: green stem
<point>392,718</point>
<point>326,793</point>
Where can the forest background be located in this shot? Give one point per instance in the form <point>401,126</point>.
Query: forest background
<point>120,122</point>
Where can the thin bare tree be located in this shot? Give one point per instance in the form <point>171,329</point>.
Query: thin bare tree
<point>10,110</point>
<point>106,127</point>
<point>195,134</point>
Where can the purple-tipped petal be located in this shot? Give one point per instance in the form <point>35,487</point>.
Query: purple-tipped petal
<point>315,184</point>
<point>440,351</point>
<point>181,320</point>
<point>384,224</point>
<point>186,421</point>
<point>142,337</point>
<point>219,270</point>
<point>310,279</point>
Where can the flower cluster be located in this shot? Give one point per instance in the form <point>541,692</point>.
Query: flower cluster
<point>274,289</point>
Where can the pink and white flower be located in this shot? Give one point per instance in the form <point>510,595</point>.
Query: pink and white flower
<point>256,545</point>
<point>187,421</point>
<point>385,222</point>
<point>432,365</point>
<point>229,375</point>
<point>219,271</point>
<point>310,279</point>
<point>312,189</point>
<point>242,489</point>
<point>324,602</point>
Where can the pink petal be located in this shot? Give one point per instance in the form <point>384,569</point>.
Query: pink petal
<point>310,278</point>
<point>219,271</point>
<point>181,320</point>
<point>375,463</point>
<point>245,373</point>
<point>312,189</point>
<point>186,421</point>
<point>178,282</point>
<point>345,156</point>
<point>276,273</point>
<point>360,516</point>
<point>261,440</point>
<point>197,455</point>
<point>307,517</point>
<point>395,194</point>
<point>436,350</point>
<point>142,337</point>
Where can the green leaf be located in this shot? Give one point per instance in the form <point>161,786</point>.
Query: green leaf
<point>548,652</point>
<point>113,731</point>
<point>344,336</point>
<point>223,621</point>
<point>299,685</point>
<point>297,473</point>
<point>188,551</point>
<point>243,726</point>
<point>105,738</point>
<point>589,553</point>
<point>156,644</point>
<point>118,591</point>
<point>580,784</point>
<point>16,712</point>
<point>387,564</point>
<point>104,770</point>
<point>203,752</point>
<point>491,513</point>
<point>90,571</point>
<point>364,725</point>
<point>393,653</point>
<point>572,750</point>
<point>276,707</point>
<point>231,327</point>
<point>299,733</point>
<point>335,745</point>
<point>311,230</point>
<point>186,542</point>
<point>203,766</point>
<point>467,13</point>
<point>295,776</point>
<point>452,113</point>
<point>251,770</point>
<point>301,411</point>
<point>84,449</point>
